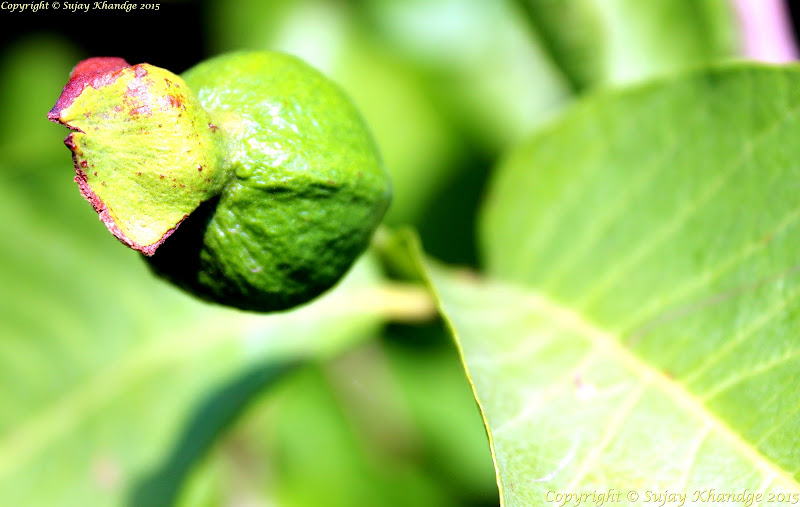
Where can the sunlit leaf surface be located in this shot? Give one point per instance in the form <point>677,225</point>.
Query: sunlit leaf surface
<point>644,331</point>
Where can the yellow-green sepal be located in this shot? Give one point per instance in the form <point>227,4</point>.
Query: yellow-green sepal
<point>146,154</point>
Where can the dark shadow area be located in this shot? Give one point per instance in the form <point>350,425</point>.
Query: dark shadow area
<point>448,229</point>
<point>794,13</point>
<point>178,258</point>
<point>171,37</point>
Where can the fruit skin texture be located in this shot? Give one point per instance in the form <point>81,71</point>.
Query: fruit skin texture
<point>306,186</point>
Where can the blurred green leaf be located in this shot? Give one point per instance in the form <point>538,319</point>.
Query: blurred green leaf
<point>648,244</point>
<point>333,435</point>
<point>571,34</point>
<point>425,363</point>
<point>599,42</point>
<point>207,424</point>
<point>32,73</point>
<point>390,423</point>
<point>645,39</point>
<point>482,67</point>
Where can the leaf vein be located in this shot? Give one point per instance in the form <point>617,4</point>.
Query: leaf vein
<point>681,217</point>
<point>611,431</point>
<point>651,311</point>
<point>568,319</point>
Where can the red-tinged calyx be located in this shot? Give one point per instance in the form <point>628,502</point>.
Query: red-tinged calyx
<point>144,150</point>
<point>95,72</point>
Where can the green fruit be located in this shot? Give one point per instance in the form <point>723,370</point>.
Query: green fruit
<point>282,177</point>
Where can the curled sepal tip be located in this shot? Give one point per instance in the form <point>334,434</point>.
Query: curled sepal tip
<point>145,153</point>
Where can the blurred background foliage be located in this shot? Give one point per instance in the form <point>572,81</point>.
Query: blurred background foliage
<point>116,388</point>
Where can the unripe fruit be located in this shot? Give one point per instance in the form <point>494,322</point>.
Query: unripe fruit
<point>251,182</point>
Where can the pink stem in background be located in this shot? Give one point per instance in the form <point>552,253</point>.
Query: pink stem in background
<point>767,30</point>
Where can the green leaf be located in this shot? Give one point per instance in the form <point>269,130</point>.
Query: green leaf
<point>643,333</point>
<point>595,42</point>
<point>570,409</point>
